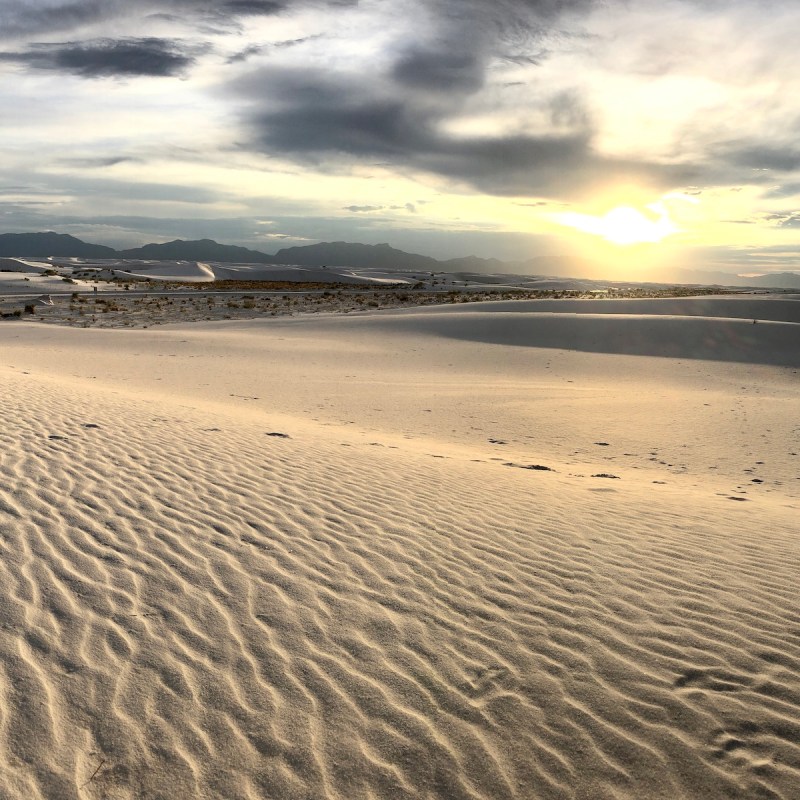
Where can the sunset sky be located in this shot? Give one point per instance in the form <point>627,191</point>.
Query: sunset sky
<point>641,135</point>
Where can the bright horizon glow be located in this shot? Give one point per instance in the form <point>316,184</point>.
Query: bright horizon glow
<point>623,225</point>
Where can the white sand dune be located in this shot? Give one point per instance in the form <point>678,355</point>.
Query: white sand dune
<point>22,265</point>
<point>774,308</point>
<point>311,558</point>
<point>189,271</point>
<point>280,272</point>
<point>202,272</point>
<point>696,337</point>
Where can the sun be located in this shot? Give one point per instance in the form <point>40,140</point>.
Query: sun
<point>624,225</point>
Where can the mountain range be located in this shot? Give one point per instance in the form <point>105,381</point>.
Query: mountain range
<point>343,254</point>
<point>332,254</point>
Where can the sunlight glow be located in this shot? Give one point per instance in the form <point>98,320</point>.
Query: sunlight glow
<point>624,225</point>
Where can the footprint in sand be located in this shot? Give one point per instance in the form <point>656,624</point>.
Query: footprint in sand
<point>714,680</point>
<point>742,747</point>
<point>488,680</point>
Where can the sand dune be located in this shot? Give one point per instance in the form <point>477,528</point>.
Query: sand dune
<point>774,308</point>
<point>311,558</point>
<point>696,337</point>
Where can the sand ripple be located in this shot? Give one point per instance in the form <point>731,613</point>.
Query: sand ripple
<point>192,608</point>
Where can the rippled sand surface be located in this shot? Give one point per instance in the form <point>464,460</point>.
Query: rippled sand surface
<point>403,555</point>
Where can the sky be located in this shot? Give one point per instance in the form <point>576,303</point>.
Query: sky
<point>638,136</point>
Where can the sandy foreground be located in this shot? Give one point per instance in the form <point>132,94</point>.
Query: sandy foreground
<point>464,552</point>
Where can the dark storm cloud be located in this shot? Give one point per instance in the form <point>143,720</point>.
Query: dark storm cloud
<point>315,117</point>
<point>255,7</point>
<point>454,54</point>
<point>513,21</point>
<point>20,18</point>
<point>400,117</point>
<point>441,71</point>
<point>25,17</point>
<point>106,58</point>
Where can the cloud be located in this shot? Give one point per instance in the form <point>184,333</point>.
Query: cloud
<point>26,17</point>
<point>20,18</point>
<point>106,58</point>
<point>103,191</point>
<point>255,7</point>
<point>259,49</point>
<point>363,209</point>
<point>765,157</point>
<point>430,70</point>
<point>336,119</point>
<point>431,105</point>
<point>248,52</point>
<point>786,219</point>
<point>98,162</point>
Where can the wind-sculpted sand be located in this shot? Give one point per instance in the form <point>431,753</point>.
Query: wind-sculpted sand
<point>391,556</point>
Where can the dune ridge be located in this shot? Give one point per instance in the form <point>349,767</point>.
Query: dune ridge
<point>208,595</point>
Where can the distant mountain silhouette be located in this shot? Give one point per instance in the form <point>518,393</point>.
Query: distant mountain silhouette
<point>42,245</point>
<point>350,254</point>
<point>347,254</point>
<point>201,250</point>
<point>781,280</point>
<point>786,280</point>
